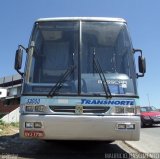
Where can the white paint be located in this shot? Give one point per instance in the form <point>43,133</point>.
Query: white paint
<point>12,116</point>
<point>63,101</point>
<point>3,92</point>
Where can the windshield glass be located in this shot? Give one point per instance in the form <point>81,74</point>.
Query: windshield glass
<point>53,51</point>
<point>109,44</point>
<point>148,109</point>
<point>58,46</point>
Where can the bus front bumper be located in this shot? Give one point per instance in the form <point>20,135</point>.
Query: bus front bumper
<point>71,127</point>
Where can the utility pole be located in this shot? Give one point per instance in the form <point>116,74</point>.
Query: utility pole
<point>148,99</point>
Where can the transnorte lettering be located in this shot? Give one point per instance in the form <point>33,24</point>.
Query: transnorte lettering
<point>107,102</point>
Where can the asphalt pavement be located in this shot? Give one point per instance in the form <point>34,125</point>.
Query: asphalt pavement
<point>149,142</point>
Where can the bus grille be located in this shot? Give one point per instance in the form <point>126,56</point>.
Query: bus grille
<point>86,109</point>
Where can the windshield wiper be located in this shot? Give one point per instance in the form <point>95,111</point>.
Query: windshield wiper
<point>59,83</point>
<point>102,76</point>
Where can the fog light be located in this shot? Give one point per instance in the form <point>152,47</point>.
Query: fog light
<point>130,126</point>
<point>121,126</point>
<point>29,124</point>
<point>37,125</point>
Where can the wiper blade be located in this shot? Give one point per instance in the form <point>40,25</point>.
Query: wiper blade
<point>59,83</point>
<point>105,81</point>
<point>102,77</point>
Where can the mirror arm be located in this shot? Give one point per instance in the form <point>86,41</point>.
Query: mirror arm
<point>21,46</point>
<point>137,50</point>
<point>21,73</point>
<point>140,75</point>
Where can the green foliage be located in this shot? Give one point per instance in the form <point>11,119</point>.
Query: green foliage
<point>15,124</point>
<point>6,128</point>
<point>2,122</point>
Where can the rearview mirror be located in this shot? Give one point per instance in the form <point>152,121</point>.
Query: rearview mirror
<point>141,63</point>
<point>18,60</point>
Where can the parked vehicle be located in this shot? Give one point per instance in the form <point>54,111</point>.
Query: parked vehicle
<point>149,116</point>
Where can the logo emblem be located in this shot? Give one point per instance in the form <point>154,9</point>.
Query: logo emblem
<point>79,109</point>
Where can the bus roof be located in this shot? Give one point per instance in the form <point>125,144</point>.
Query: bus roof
<point>82,18</point>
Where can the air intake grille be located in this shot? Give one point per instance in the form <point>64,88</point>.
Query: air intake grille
<point>86,109</point>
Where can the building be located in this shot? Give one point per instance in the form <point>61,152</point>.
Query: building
<point>10,92</point>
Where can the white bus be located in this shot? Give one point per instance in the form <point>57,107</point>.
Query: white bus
<point>79,81</point>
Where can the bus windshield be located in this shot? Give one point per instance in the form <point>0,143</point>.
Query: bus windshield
<point>57,46</point>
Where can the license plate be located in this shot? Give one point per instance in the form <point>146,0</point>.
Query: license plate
<point>79,109</point>
<point>28,133</point>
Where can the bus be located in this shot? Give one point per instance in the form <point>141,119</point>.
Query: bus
<point>80,80</point>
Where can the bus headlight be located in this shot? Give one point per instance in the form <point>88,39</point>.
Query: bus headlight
<point>119,110</point>
<point>129,110</point>
<point>35,108</point>
<point>29,108</point>
<point>39,108</point>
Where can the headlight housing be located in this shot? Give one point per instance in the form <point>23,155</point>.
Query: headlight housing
<point>119,110</point>
<point>29,108</point>
<point>122,110</point>
<point>39,108</point>
<point>35,108</point>
<point>129,110</point>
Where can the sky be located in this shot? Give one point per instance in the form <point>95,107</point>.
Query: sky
<point>143,18</point>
